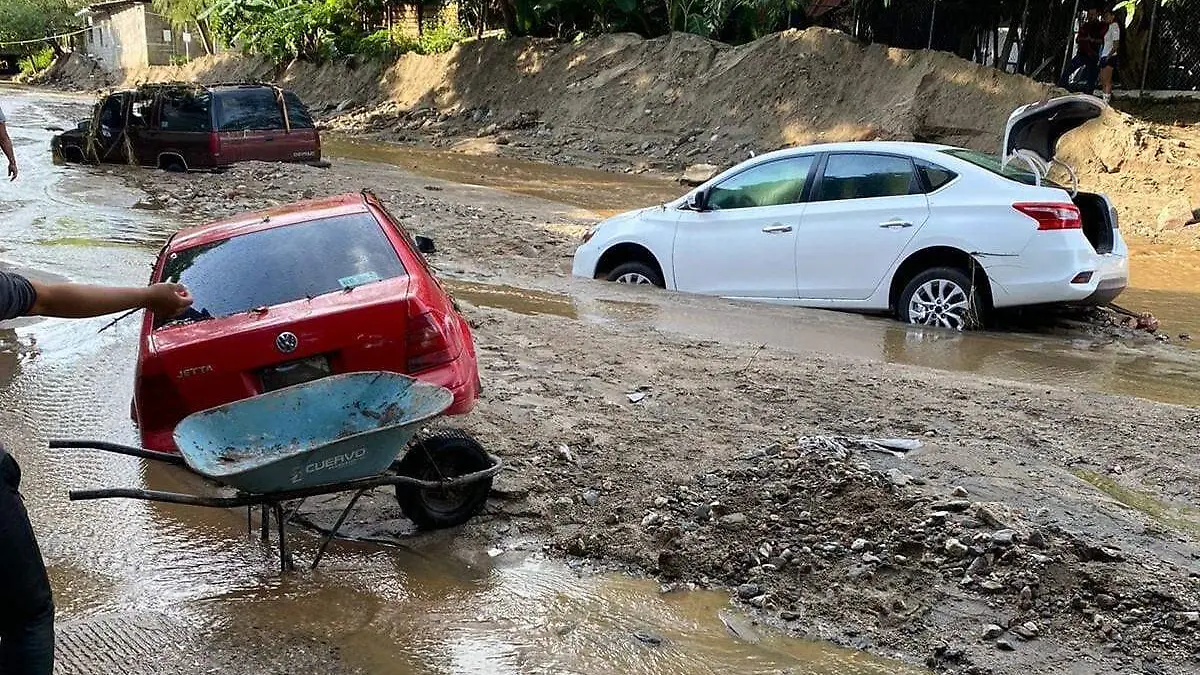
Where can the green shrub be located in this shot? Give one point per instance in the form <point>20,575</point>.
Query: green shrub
<point>440,38</point>
<point>37,61</point>
<point>385,44</point>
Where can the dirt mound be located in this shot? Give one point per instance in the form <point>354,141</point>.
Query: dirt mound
<point>76,71</point>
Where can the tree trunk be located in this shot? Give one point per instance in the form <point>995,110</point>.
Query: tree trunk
<point>205,34</point>
<point>1009,41</point>
<point>53,44</point>
<point>1134,40</point>
<point>508,9</point>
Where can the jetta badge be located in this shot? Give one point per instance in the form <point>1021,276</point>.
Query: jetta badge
<point>287,342</point>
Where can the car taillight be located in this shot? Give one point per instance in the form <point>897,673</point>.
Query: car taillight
<point>214,144</point>
<point>1052,216</point>
<point>159,405</point>
<point>428,340</point>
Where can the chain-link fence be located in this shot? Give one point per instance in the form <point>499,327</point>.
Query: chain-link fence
<point>1174,55</point>
<point>1159,48</point>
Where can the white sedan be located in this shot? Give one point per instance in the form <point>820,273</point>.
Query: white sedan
<point>934,234</point>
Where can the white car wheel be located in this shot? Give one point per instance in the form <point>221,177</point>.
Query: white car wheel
<point>637,274</point>
<point>942,297</point>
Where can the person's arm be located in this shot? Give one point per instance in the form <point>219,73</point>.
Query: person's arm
<point>7,147</point>
<point>75,301</point>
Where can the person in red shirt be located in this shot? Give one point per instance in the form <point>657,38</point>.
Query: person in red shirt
<point>1087,53</point>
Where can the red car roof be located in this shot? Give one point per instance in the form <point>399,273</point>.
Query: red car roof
<point>280,216</point>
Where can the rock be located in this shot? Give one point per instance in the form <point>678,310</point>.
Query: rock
<point>1031,627</point>
<point>758,601</point>
<point>898,477</point>
<point>870,559</point>
<point>747,591</point>
<point>1037,539</point>
<point>733,521</point>
<point>1176,215</point>
<point>1106,601</point>
<point>652,518</point>
<point>697,174</point>
<point>979,567</point>
<point>859,545</point>
<point>1004,645</point>
<point>647,637</point>
<point>661,501</point>
<point>990,586</point>
<point>1004,537</point>
<point>992,631</point>
<point>789,615</point>
<point>959,491</point>
<point>955,548</point>
<point>1026,599</point>
<point>702,512</point>
<point>636,397</point>
<point>591,497</point>
<point>344,105</point>
<point>987,515</point>
<point>954,505</point>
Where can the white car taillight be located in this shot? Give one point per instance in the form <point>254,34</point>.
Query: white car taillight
<point>1052,216</point>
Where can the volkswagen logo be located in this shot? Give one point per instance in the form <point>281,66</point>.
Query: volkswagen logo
<point>287,342</point>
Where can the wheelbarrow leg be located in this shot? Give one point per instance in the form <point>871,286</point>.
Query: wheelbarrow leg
<point>285,556</point>
<point>336,526</point>
<point>265,524</point>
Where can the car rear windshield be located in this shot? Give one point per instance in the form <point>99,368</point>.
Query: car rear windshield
<point>248,109</point>
<point>1012,172</point>
<point>283,264</point>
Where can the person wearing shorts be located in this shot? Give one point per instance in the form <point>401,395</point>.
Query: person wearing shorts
<point>1109,53</point>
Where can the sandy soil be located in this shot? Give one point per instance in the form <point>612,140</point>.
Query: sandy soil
<point>1036,528</point>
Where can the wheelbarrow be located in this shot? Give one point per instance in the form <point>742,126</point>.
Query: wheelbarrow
<point>344,433</point>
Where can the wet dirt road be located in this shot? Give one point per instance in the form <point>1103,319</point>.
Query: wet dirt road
<point>145,588</point>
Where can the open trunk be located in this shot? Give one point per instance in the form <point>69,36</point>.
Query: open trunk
<point>1099,220</point>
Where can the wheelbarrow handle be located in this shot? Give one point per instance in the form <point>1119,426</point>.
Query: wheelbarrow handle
<point>168,497</point>
<point>116,448</point>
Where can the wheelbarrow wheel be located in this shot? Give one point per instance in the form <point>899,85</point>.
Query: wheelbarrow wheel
<point>444,454</point>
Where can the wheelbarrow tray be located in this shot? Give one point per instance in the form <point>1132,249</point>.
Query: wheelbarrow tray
<point>332,430</point>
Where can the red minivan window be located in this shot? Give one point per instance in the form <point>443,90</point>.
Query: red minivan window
<point>282,264</point>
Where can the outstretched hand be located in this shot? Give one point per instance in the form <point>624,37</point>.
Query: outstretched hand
<point>168,300</point>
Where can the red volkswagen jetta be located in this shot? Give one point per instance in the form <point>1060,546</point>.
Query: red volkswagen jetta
<point>291,295</point>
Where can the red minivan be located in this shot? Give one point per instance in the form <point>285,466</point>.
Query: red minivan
<point>190,126</point>
<point>291,295</point>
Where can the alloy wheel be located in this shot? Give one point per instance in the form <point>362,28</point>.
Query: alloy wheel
<point>635,278</point>
<point>940,302</point>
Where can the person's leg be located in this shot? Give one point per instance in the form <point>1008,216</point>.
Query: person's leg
<point>1093,74</point>
<point>27,613</point>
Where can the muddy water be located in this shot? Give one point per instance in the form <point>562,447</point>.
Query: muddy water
<point>600,191</point>
<point>199,580</point>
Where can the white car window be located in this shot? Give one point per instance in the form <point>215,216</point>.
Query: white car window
<point>862,176</point>
<point>770,184</point>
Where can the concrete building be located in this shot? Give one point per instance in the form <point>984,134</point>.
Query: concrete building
<point>127,34</point>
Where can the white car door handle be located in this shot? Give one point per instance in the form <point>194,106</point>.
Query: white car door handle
<point>895,223</point>
<point>776,229</point>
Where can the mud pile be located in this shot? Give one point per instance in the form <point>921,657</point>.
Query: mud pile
<point>780,521</point>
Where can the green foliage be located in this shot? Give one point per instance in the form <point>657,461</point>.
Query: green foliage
<point>37,61</point>
<point>33,19</point>
<point>440,38</point>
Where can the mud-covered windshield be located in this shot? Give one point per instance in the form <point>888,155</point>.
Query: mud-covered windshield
<point>283,264</point>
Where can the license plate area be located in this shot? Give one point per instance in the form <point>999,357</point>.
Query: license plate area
<point>294,372</point>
